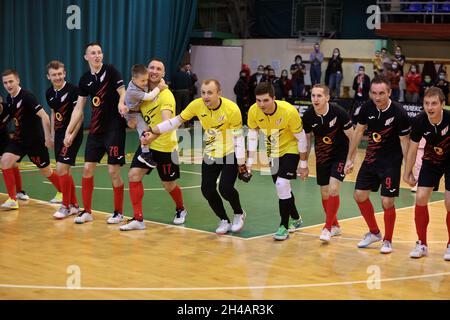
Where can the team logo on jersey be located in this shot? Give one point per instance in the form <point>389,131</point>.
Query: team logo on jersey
<point>376,137</point>
<point>438,151</point>
<point>389,121</point>
<point>327,140</point>
<point>444,131</point>
<point>58,116</point>
<point>19,104</point>
<point>96,101</point>
<point>279,121</point>
<point>333,122</point>
<point>64,97</point>
<point>103,76</point>
<point>357,111</point>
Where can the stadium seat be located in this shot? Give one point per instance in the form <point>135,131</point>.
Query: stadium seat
<point>445,7</point>
<point>413,7</point>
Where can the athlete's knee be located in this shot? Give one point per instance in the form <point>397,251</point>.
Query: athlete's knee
<point>226,190</point>
<point>208,190</point>
<point>283,188</point>
<point>61,170</point>
<point>387,202</point>
<point>114,171</point>
<point>360,196</point>
<point>169,185</point>
<point>46,172</point>
<point>88,170</point>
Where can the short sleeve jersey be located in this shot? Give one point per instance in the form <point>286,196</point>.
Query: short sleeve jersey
<point>152,114</point>
<point>331,143</point>
<point>62,103</point>
<point>437,136</point>
<point>279,128</point>
<point>220,125</point>
<point>102,88</point>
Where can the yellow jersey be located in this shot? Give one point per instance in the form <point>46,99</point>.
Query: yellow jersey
<point>219,124</point>
<point>152,114</point>
<point>279,128</point>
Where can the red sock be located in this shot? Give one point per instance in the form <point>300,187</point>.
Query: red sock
<point>87,188</point>
<point>118,199</point>
<point>421,218</point>
<point>18,178</point>
<point>10,182</point>
<point>54,179</point>
<point>73,193</point>
<point>389,223</point>
<point>324,204</point>
<point>368,213</point>
<point>448,227</point>
<point>66,188</point>
<point>177,197</point>
<point>331,211</point>
<point>136,195</point>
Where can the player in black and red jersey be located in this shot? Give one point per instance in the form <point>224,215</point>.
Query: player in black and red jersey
<point>388,130</point>
<point>332,129</point>
<point>104,84</point>
<point>62,97</point>
<point>433,125</point>
<point>31,137</point>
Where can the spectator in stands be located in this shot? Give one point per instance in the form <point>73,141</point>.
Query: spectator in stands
<point>424,86</point>
<point>334,74</point>
<point>194,79</point>
<point>377,63</point>
<point>180,87</point>
<point>394,76</point>
<point>361,86</point>
<point>400,59</point>
<point>241,92</point>
<point>385,60</point>
<point>286,84</point>
<point>276,84</point>
<point>255,79</point>
<point>316,59</point>
<point>443,84</point>
<point>298,77</point>
<point>413,81</point>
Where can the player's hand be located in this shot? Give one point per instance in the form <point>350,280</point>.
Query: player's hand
<point>68,139</point>
<point>303,173</point>
<point>132,123</point>
<point>123,109</point>
<point>162,85</point>
<point>410,179</point>
<point>49,143</point>
<point>243,174</point>
<point>348,168</point>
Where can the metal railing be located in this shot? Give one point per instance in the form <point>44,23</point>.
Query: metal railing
<point>425,9</point>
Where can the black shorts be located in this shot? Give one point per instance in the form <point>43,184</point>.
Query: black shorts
<point>36,151</point>
<point>430,175</point>
<point>4,140</point>
<point>370,177</point>
<point>168,164</point>
<point>112,143</point>
<point>285,166</point>
<point>333,168</point>
<point>64,154</point>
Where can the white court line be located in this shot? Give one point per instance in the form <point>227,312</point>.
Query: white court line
<point>291,286</point>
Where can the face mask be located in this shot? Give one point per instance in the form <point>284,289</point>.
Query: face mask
<point>442,77</point>
<point>394,66</point>
<point>413,70</point>
<point>284,74</point>
<point>360,72</point>
<point>316,49</point>
<point>242,75</point>
<point>260,72</point>
<point>427,80</point>
<point>335,54</point>
<point>298,61</point>
<point>398,54</point>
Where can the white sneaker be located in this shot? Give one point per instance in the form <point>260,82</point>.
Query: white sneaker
<point>22,195</point>
<point>57,198</point>
<point>224,227</point>
<point>116,218</point>
<point>335,231</point>
<point>326,235</point>
<point>74,210</point>
<point>447,254</point>
<point>386,247</point>
<point>10,204</point>
<point>419,251</point>
<point>62,213</point>
<point>83,217</point>
<point>238,222</point>
<point>180,216</point>
<point>133,224</point>
<point>369,238</point>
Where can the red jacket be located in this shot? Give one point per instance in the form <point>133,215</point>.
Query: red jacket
<point>413,81</point>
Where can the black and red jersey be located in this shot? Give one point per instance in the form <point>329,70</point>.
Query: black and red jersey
<point>331,142</point>
<point>5,117</point>
<point>437,136</point>
<point>102,88</point>
<point>24,108</point>
<point>62,103</point>
<point>384,130</point>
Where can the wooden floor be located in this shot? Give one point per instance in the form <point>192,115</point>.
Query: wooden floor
<point>41,258</point>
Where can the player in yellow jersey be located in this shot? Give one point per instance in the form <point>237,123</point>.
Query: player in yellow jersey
<point>164,151</point>
<point>285,139</point>
<point>224,152</point>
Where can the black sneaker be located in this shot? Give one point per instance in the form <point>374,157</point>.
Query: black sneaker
<point>147,158</point>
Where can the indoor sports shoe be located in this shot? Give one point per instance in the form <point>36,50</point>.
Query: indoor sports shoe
<point>57,198</point>
<point>10,204</point>
<point>224,227</point>
<point>386,247</point>
<point>147,158</point>
<point>133,224</point>
<point>325,236</point>
<point>180,216</point>
<point>116,218</point>
<point>74,210</point>
<point>447,254</point>
<point>63,212</point>
<point>419,251</point>
<point>22,195</point>
<point>369,238</point>
<point>335,231</point>
<point>294,225</point>
<point>238,222</point>
<point>281,234</point>
<point>83,217</point>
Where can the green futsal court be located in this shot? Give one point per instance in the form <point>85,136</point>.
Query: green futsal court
<point>258,197</point>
